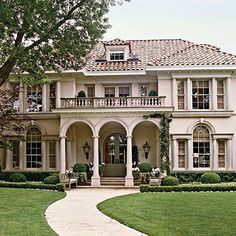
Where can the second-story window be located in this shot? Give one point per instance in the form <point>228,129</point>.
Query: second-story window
<point>220,94</point>
<point>34,98</point>
<point>109,92</point>
<point>90,91</point>
<point>53,95</point>
<point>180,95</point>
<point>123,91</point>
<point>200,95</point>
<point>117,56</point>
<point>16,91</point>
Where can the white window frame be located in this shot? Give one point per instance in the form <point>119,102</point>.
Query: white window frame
<point>116,52</point>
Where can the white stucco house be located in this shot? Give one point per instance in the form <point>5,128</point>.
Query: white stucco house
<point>195,85</point>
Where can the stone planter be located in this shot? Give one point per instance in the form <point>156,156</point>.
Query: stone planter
<point>155,181</point>
<point>144,177</point>
<point>136,175</point>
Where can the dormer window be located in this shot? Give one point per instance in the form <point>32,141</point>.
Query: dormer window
<point>117,56</point>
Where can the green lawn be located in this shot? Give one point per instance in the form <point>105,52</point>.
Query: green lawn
<point>22,211</point>
<point>205,213</point>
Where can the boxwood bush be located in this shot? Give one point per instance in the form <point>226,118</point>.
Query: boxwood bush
<point>17,177</point>
<point>79,167</point>
<point>170,181</point>
<point>210,178</point>
<point>54,179</point>
<point>145,167</point>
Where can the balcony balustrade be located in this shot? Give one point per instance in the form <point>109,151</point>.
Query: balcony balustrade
<point>113,102</point>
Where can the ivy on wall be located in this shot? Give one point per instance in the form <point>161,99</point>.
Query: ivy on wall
<point>165,140</point>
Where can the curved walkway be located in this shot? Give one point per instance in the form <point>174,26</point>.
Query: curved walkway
<point>78,215</point>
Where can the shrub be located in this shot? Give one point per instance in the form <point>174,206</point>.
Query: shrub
<point>210,178</point>
<point>81,94</point>
<point>153,93</point>
<point>54,179</point>
<point>170,181</point>
<point>79,167</point>
<point>145,167</point>
<point>17,177</point>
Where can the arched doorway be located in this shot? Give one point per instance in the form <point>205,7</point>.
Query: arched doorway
<point>115,149</point>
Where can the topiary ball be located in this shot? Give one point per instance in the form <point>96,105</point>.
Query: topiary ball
<point>17,177</point>
<point>53,179</point>
<point>79,167</point>
<point>210,178</point>
<point>145,167</point>
<point>170,181</point>
<point>153,93</point>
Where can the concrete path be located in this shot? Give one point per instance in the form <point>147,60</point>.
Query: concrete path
<point>77,214</point>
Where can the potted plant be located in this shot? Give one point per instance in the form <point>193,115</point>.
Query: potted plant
<point>101,169</point>
<point>135,172</point>
<point>153,93</point>
<point>80,172</point>
<point>145,169</point>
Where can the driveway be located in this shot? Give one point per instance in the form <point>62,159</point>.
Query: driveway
<point>78,215</point>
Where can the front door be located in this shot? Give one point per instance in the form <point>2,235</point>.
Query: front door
<point>115,149</point>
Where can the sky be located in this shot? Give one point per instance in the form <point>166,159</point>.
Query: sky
<point>199,21</point>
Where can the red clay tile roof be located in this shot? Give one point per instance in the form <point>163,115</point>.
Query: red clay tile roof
<point>162,52</point>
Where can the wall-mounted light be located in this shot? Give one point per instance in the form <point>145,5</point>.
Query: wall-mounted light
<point>86,148</point>
<point>146,148</point>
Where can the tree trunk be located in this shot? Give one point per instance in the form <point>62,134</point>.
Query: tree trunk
<point>5,70</point>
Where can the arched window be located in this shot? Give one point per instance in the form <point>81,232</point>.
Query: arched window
<point>33,148</point>
<point>201,147</point>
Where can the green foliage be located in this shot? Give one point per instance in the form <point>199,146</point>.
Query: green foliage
<point>145,167</point>
<point>51,180</point>
<point>81,94</point>
<point>30,176</point>
<point>153,93</point>
<point>17,177</point>
<point>79,167</point>
<point>210,178</point>
<point>164,134</point>
<point>170,181</point>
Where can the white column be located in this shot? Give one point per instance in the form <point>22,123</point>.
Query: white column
<point>215,156</point>
<point>189,94</point>
<point>21,97</point>
<point>57,155</point>
<point>190,155</point>
<point>58,94</point>
<point>44,155</point>
<point>21,154</point>
<point>62,155</point>
<point>9,160</point>
<point>175,155</point>
<point>214,94</point>
<point>95,177</point>
<point>228,93</point>
<point>229,155</point>
<point>74,88</point>
<point>44,98</point>
<point>174,94</point>
<point>129,176</point>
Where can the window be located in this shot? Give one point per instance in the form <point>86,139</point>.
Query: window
<point>200,94</point>
<point>33,148</point>
<point>201,147</point>
<point>15,153</point>
<point>16,91</point>
<point>143,90</point>
<point>90,91</point>
<point>117,56</point>
<point>220,94</point>
<point>123,91</point>
<point>180,84</point>
<point>34,98</point>
<point>52,95</point>
<point>109,92</point>
<point>221,154</point>
<point>181,154</point>
<point>52,154</point>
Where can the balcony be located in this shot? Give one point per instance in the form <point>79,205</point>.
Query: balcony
<point>113,102</point>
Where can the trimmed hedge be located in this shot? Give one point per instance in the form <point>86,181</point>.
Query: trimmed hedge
<point>189,188</point>
<point>54,179</point>
<point>210,178</point>
<point>188,177</point>
<point>17,177</point>
<point>58,187</point>
<point>170,181</point>
<point>145,167</point>
<point>30,176</point>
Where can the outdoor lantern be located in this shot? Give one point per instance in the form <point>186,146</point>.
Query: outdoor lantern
<point>86,148</point>
<point>146,148</point>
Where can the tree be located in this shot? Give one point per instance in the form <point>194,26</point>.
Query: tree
<point>41,35</point>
